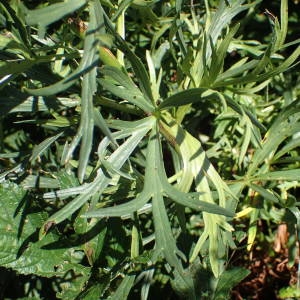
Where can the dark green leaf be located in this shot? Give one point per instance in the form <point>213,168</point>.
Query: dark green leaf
<point>47,15</point>
<point>227,281</point>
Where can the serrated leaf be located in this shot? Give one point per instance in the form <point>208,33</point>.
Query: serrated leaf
<point>19,247</point>
<point>80,275</point>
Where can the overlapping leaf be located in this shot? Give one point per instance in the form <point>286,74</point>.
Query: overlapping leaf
<point>196,167</point>
<point>101,180</point>
<point>20,250</point>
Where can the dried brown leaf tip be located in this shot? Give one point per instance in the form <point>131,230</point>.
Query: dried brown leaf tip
<point>48,225</point>
<point>270,15</point>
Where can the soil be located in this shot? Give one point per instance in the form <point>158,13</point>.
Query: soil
<point>270,270</point>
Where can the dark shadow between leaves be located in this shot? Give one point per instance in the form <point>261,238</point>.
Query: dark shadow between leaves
<point>25,204</point>
<point>95,30</point>
<point>79,239</point>
<point>30,239</point>
<point>204,169</point>
<point>197,153</point>
<point>15,98</point>
<point>79,73</point>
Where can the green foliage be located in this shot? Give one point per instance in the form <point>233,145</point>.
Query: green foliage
<point>122,122</point>
<point>22,251</point>
<point>291,292</point>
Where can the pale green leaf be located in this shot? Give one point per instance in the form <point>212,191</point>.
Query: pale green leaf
<point>137,65</point>
<point>288,175</point>
<point>285,125</point>
<point>101,181</point>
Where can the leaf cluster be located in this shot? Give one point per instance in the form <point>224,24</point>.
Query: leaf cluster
<point>136,136</point>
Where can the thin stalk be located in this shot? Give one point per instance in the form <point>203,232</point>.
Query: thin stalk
<point>120,27</point>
